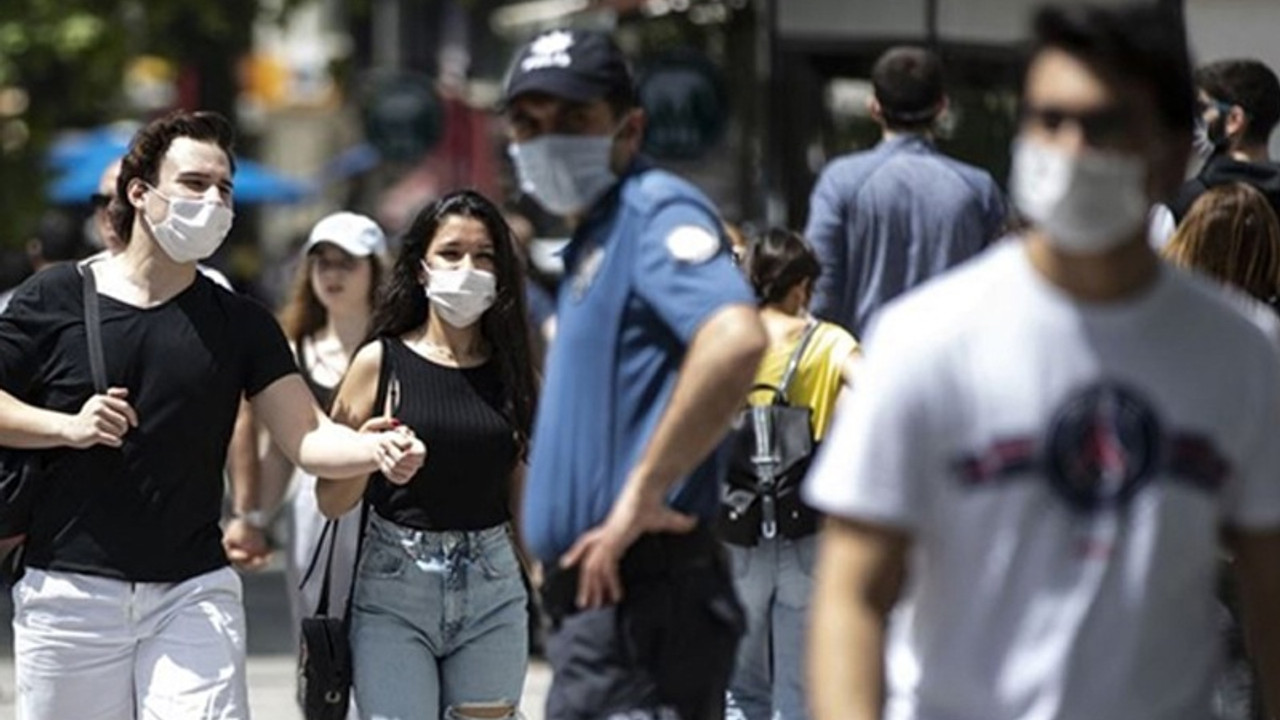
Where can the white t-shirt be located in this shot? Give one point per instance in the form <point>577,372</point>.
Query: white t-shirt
<point>1063,469</point>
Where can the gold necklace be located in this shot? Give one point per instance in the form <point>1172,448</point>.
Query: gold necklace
<point>439,351</point>
<point>446,353</point>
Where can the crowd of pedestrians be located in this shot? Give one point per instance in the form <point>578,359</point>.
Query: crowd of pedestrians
<point>943,456</point>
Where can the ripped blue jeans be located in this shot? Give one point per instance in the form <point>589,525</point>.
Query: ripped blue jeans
<point>439,622</point>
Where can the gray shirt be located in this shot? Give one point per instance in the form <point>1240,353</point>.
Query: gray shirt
<point>885,220</point>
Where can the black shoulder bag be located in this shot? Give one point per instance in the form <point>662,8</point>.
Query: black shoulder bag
<point>21,470</point>
<point>324,656</point>
<point>770,447</point>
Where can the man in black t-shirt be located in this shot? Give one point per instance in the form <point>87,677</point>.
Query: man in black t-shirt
<point>1239,106</point>
<point>128,608</point>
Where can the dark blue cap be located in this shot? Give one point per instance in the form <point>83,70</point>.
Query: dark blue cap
<point>577,65</point>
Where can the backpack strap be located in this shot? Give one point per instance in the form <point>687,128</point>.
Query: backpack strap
<point>794,363</point>
<point>330,531</point>
<point>93,329</point>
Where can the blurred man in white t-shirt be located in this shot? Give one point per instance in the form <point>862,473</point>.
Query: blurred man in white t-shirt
<point>1047,445</point>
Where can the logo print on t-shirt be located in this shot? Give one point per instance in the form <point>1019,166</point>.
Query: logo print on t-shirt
<point>1102,446</point>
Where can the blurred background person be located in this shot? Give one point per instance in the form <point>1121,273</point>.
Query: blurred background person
<point>1232,234</point>
<point>773,567</point>
<point>1237,108</point>
<point>57,239</point>
<point>103,235</point>
<point>885,220</point>
<point>439,623</point>
<point>540,300</point>
<point>326,318</point>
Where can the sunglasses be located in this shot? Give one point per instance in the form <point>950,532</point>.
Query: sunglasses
<point>1104,127</point>
<point>100,200</point>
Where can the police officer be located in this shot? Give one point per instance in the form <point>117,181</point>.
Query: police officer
<point>656,345</point>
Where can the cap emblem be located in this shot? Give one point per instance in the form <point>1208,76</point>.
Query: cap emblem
<point>550,50</point>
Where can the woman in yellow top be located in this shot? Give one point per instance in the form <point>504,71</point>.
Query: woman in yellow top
<point>773,574</point>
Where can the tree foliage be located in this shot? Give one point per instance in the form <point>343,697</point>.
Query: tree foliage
<point>62,63</point>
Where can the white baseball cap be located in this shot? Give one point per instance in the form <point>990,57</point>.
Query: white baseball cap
<point>356,234</point>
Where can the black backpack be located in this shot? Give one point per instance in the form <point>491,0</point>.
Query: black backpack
<point>770,447</point>
<point>21,471</point>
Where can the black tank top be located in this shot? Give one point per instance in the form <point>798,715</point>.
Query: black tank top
<point>323,393</point>
<point>471,446</point>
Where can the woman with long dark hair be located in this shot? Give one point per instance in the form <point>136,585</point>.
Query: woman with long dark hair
<point>439,623</point>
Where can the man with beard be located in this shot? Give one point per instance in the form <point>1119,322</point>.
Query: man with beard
<point>1237,106</point>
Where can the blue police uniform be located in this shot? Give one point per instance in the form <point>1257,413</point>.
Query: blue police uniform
<point>646,268</point>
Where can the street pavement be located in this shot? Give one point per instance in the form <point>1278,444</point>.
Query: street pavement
<point>271,667</point>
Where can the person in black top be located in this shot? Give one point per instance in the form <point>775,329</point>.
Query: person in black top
<point>439,623</point>
<point>1238,102</point>
<point>128,608</point>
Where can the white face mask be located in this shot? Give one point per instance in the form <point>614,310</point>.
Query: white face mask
<point>462,295</point>
<point>566,174</point>
<point>192,229</point>
<point>1086,204</point>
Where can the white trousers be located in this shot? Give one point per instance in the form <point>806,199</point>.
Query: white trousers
<point>94,648</point>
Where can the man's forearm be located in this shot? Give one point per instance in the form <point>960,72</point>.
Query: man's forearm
<point>242,463</point>
<point>859,574</point>
<point>717,372</point>
<point>846,668</point>
<point>1257,564</point>
<point>29,427</point>
<point>333,450</point>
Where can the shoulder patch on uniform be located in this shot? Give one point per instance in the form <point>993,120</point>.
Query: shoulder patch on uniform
<point>692,244</point>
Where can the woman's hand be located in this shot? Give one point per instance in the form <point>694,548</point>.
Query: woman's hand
<point>400,454</point>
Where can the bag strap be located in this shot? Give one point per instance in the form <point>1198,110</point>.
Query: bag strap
<point>389,389</point>
<point>93,329</point>
<point>794,363</point>
<point>330,531</point>
<point>315,554</point>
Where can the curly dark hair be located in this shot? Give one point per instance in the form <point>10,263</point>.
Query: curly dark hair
<point>402,305</point>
